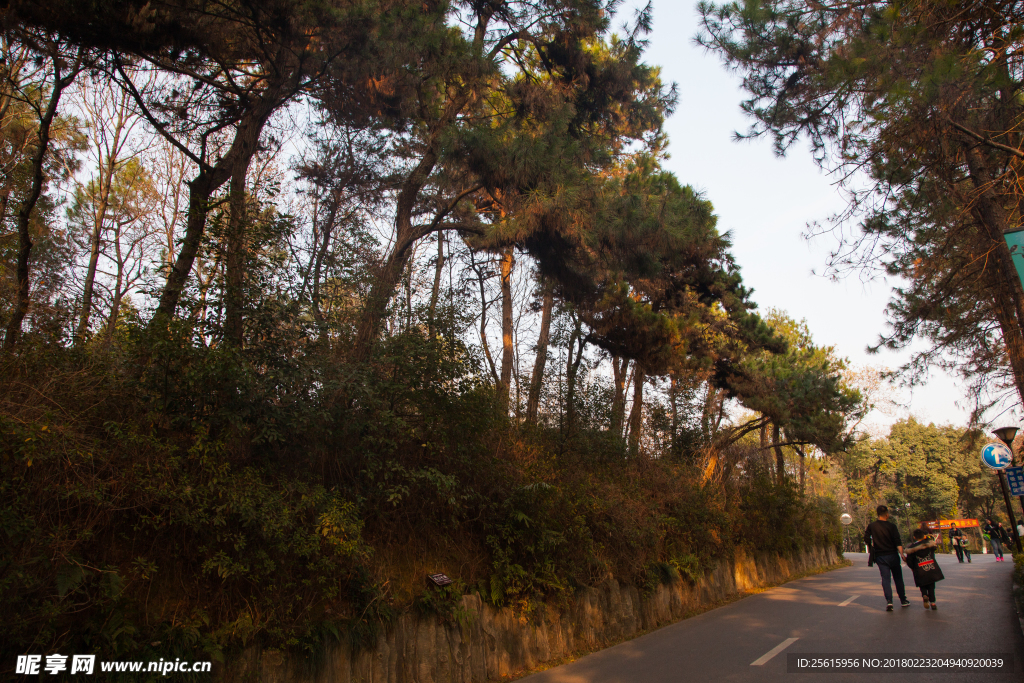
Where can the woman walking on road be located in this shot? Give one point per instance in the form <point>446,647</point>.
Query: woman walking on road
<point>1004,538</point>
<point>921,560</point>
<point>994,537</point>
<point>959,543</point>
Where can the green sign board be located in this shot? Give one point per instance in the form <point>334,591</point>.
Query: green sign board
<point>1015,240</point>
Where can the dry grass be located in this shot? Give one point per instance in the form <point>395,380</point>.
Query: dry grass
<point>403,566</point>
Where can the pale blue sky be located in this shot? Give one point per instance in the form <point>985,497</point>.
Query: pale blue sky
<point>766,203</point>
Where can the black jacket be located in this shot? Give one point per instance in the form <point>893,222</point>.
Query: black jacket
<point>997,532</point>
<point>882,537</point>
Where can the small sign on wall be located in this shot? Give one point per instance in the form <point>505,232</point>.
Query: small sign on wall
<point>439,579</point>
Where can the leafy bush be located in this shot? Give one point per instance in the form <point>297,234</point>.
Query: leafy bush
<point>767,514</point>
<point>530,545</point>
<point>445,602</point>
<point>173,498</point>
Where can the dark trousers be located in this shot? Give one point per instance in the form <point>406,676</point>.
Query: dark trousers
<point>961,551</point>
<point>997,547</point>
<point>889,567</point>
<point>928,591</point>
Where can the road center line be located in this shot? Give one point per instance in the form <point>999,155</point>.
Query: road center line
<point>846,602</point>
<point>774,651</point>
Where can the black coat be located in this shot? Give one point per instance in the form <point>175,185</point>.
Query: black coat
<point>921,560</point>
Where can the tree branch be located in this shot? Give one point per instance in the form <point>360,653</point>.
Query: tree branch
<point>424,230</point>
<point>160,127</point>
<point>985,140</point>
<point>739,432</point>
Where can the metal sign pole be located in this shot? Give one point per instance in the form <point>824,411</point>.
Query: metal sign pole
<point>1009,510</point>
<point>1020,497</point>
<point>998,461</point>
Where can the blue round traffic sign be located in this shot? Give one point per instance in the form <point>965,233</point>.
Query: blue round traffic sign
<point>996,456</point>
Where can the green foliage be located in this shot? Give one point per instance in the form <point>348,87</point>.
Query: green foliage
<point>934,468</point>
<point>105,516</point>
<point>687,566</point>
<point>802,390</point>
<point>445,602</point>
<point>530,545</point>
<point>766,508</point>
<point>99,522</point>
<point>652,276</point>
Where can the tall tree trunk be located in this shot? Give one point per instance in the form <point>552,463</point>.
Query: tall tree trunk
<point>1007,288</point>
<point>579,341</point>
<point>208,180</point>
<point>21,302</point>
<point>803,468</point>
<point>109,156</point>
<point>118,295</point>
<point>537,379</point>
<point>409,274</point>
<point>236,257</point>
<point>674,405</point>
<point>200,189</point>
<point>620,370</point>
<point>1006,316</point>
<point>507,351</point>
<point>483,317</point>
<point>389,275</point>
<point>780,459</point>
<point>95,240</point>
<point>318,263</point>
<point>636,413</point>
<point>765,457</point>
<point>436,289</point>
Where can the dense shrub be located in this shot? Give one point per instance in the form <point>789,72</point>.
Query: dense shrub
<point>177,499</point>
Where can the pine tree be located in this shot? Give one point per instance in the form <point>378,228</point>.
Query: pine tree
<point>923,97</point>
<point>513,121</point>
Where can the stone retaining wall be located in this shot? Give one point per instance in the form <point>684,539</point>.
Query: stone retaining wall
<point>496,643</point>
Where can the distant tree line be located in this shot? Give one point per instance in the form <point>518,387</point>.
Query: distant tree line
<point>935,469</point>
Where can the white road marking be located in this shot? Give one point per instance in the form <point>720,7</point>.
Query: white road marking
<point>774,651</point>
<point>846,602</point>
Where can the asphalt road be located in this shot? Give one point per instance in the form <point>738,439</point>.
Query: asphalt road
<point>839,612</point>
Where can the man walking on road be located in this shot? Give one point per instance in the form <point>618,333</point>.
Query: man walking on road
<point>885,548</point>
